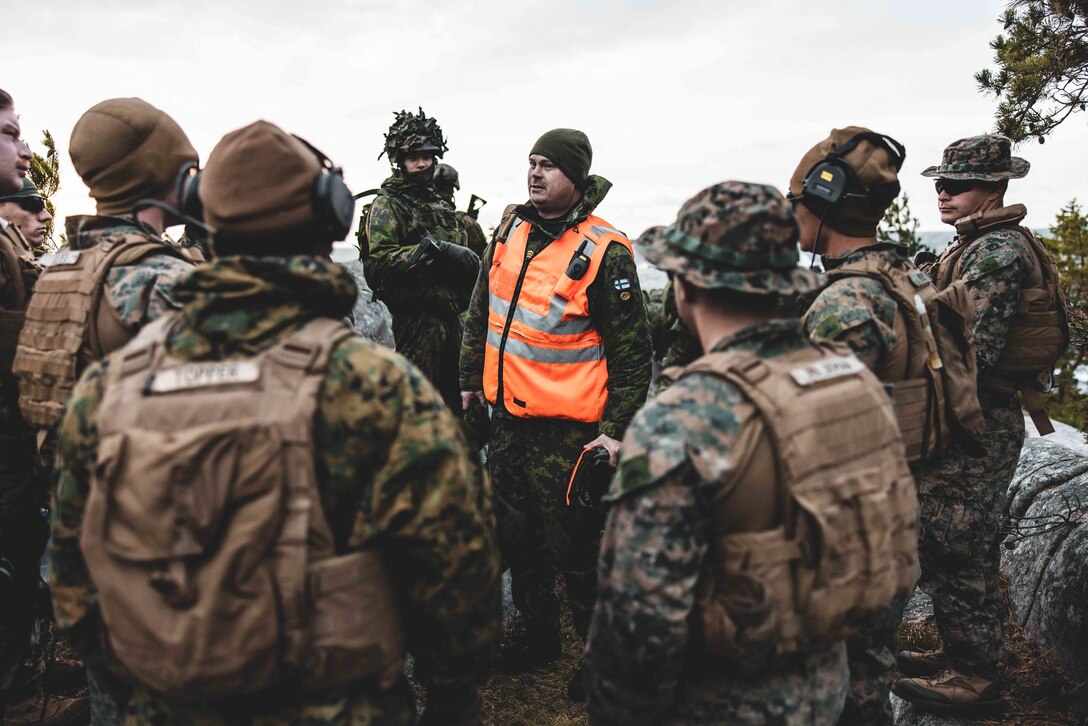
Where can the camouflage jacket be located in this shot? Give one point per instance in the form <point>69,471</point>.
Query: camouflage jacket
<point>858,310</point>
<point>675,459</point>
<point>621,320</point>
<point>994,267</point>
<point>680,346</point>
<point>397,221</point>
<point>392,468</point>
<point>141,292</point>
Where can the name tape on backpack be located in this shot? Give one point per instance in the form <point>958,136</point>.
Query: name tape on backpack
<point>203,375</point>
<point>825,370</point>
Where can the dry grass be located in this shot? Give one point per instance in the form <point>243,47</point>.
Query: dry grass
<point>1038,690</point>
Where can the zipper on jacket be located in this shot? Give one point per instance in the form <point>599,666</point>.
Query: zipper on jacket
<point>529,254</point>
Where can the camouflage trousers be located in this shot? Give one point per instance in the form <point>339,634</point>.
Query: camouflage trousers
<point>530,463</point>
<point>360,703</point>
<point>961,501</point>
<point>808,691</point>
<point>870,655</point>
<point>433,344</point>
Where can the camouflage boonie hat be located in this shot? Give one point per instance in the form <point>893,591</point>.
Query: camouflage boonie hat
<point>413,132</point>
<point>987,157</point>
<point>732,235</point>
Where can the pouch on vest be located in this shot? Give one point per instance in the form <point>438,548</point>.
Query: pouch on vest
<point>846,546</point>
<point>932,373</point>
<point>204,532</point>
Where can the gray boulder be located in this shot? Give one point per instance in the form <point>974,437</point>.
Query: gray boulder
<point>372,317</point>
<point>1046,550</point>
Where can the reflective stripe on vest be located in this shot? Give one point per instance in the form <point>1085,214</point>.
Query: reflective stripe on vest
<point>543,354</point>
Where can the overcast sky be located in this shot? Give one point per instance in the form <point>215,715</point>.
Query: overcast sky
<point>675,95</point>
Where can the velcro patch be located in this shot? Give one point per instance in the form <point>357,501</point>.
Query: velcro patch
<point>64,257</point>
<point>204,375</point>
<point>826,370</point>
<point>919,278</point>
<point>622,284</point>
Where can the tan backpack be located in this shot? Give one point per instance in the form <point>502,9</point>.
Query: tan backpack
<point>204,532</point>
<point>67,324</point>
<point>846,547</point>
<point>1038,334</point>
<point>933,374</point>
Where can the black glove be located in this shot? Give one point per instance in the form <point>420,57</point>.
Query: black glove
<point>467,261</point>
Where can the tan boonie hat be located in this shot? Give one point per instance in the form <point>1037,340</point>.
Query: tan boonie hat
<point>259,179</point>
<point>733,235</point>
<point>987,157</point>
<point>126,150</point>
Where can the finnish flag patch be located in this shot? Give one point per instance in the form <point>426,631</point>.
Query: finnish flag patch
<point>622,284</point>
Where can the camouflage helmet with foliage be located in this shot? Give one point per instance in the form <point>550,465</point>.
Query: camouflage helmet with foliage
<point>413,132</point>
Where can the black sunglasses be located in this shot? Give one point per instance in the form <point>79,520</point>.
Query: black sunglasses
<point>954,186</point>
<point>34,205</point>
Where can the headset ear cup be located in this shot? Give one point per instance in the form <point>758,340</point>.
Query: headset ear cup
<point>334,205</point>
<point>187,188</point>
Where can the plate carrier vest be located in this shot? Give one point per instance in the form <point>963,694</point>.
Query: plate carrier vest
<point>846,547</point>
<point>1039,332</point>
<point>67,324</point>
<point>204,531</point>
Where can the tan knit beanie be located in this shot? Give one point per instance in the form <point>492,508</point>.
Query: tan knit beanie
<point>258,179</point>
<point>856,216</point>
<point>125,150</point>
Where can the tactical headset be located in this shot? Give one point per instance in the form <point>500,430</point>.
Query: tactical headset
<point>332,201</point>
<point>825,184</point>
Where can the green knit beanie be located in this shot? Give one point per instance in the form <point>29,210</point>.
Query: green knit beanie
<point>568,149</point>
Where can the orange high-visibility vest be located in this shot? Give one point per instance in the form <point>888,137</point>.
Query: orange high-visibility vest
<point>543,353</point>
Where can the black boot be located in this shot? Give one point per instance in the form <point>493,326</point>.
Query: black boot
<point>576,687</point>
<point>528,650</point>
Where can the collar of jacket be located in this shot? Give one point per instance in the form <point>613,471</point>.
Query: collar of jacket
<point>596,189</point>
<point>87,230</point>
<point>889,250</point>
<point>767,338</point>
<point>242,305</point>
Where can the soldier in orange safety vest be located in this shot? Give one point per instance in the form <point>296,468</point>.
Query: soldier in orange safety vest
<point>558,345</point>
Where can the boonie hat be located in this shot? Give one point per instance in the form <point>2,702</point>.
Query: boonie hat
<point>987,157</point>
<point>735,235</point>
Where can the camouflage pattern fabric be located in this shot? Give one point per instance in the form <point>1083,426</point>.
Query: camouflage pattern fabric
<point>962,497</point>
<point>680,345</point>
<point>987,157</point>
<point>425,298</point>
<point>622,322</point>
<point>643,664</point>
<point>530,461</point>
<point>393,473</point>
<point>413,131</point>
<point>733,235</point>
<point>141,292</point>
<point>858,311</point>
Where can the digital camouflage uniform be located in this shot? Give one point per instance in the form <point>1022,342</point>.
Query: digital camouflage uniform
<point>425,297</point>
<point>644,663</point>
<point>962,498</point>
<point>858,311</point>
<point>392,471</point>
<point>530,460</point>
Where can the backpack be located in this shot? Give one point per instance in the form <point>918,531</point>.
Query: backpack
<point>934,377</point>
<point>204,533</point>
<point>1038,334</point>
<point>846,545</point>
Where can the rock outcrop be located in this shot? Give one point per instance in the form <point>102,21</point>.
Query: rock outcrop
<point>1046,551</point>
<point>372,317</point>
